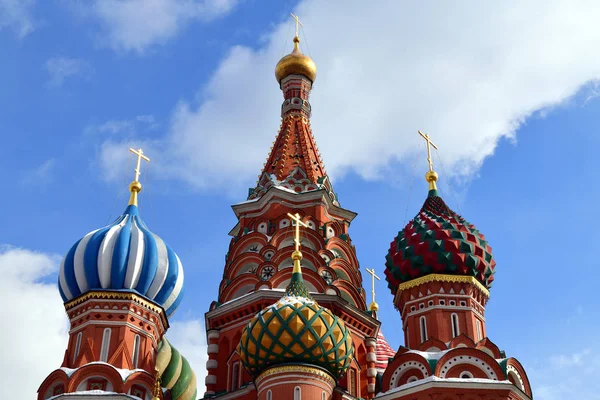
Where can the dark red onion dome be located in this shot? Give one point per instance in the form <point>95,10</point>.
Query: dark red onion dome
<point>438,241</point>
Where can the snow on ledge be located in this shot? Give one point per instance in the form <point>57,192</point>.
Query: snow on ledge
<point>94,394</point>
<point>125,373</point>
<point>446,380</point>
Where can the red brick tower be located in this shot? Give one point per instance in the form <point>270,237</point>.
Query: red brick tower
<point>120,285</point>
<point>258,265</point>
<point>440,269</point>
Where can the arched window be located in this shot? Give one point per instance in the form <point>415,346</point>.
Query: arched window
<point>352,382</point>
<point>466,375</point>
<point>105,345</point>
<point>330,232</point>
<point>324,396</point>
<point>269,395</point>
<point>423,329</point>
<point>136,351</point>
<point>77,346</point>
<point>411,379</point>
<point>297,394</point>
<point>235,376</point>
<point>479,334</point>
<point>262,227</point>
<point>455,330</point>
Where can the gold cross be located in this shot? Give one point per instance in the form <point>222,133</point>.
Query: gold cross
<point>373,306</point>
<point>295,17</point>
<point>140,155</point>
<point>299,222</point>
<point>429,142</point>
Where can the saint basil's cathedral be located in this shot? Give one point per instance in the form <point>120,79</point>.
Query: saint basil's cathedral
<point>291,319</point>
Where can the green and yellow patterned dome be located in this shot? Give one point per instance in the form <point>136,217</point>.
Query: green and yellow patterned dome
<point>296,330</point>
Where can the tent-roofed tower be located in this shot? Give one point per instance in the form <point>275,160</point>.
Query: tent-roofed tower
<point>439,269</point>
<point>258,265</point>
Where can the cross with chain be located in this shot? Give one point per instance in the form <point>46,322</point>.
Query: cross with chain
<point>429,144</point>
<point>299,222</point>
<point>295,17</point>
<point>140,155</point>
<point>373,306</point>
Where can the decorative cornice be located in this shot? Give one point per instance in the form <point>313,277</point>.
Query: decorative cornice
<point>292,368</point>
<point>442,278</point>
<point>114,295</point>
<point>254,208</point>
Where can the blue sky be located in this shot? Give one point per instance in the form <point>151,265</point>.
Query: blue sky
<point>510,102</point>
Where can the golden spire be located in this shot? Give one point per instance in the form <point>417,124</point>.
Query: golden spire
<point>297,254</point>
<point>373,306</point>
<point>156,390</point>
<point>135,187</point>
<point>431,176</point>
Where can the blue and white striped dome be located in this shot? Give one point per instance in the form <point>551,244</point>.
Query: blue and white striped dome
<point>123,256</point>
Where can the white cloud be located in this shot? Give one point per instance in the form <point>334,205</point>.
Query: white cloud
<point>61,68</point>
<point>35,343</point>
<point>123,127</point>
<point>137,24</point>
<point>16,15</point>
<point>42,174</point>
<point>467,75</point>
<point>37,339</point>
<point>567,376</point>
<point>189,338</point>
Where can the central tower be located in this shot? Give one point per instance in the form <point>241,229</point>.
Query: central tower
<point>259,263</point>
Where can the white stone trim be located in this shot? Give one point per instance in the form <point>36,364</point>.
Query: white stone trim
<point>212,348</point>
<point>210,380</point>
<point>213,334</point>
<point>435,382</point>
<point>510,369</point>
<point>371,357</point>
<point>471,360</point>
<point>446,308</point>
<point>399,372</point>
<point>212,364</point>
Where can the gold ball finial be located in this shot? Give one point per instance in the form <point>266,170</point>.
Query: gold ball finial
<point>135,186</point>
<point>431,176</point>
<point>374,306</point>
<point>297,255</point>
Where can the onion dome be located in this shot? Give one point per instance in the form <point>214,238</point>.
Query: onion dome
<point>383,352</point>
<point>175,372</point>
<point>296,330</point>
<point>438,241</point>
<point>124,256</point>
<point>296,63</point>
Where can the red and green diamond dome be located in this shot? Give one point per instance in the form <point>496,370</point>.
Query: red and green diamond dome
<point>438,241</point>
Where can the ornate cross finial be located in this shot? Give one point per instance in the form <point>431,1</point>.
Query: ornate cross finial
<point>295,17</point>
<point>373,306</point>
<point>140,155</point>
<point>296,218</point>
<point>431,176</point>
<point>429,144</point>
<point>135,187</point>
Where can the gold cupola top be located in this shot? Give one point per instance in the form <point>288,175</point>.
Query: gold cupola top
<point>296,63</point>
